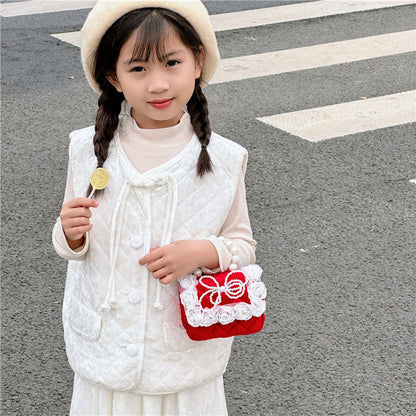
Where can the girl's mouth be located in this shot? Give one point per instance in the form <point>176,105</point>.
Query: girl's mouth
<point>161,103</point>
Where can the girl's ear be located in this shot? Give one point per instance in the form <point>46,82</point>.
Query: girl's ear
<point>112,78</point>
<point>199,62</point>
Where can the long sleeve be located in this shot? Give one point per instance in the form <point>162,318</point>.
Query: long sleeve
<point>58,236</point>
<point>237,229</point>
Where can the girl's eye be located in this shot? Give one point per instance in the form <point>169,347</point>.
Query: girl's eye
<point>137,69</point>
<point>173,62</point>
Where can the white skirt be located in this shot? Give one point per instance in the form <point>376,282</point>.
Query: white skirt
<point>205,400</point>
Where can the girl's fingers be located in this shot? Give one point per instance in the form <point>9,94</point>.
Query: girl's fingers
<point>152,256</point>
<point>161,273</point>
<point>156,265</point>
<point>80,212</point>
<point>75,217</point>
<point>76,209</point>
<point>82,229</point>
<point>76,233</point>
<point>75,222</point>
<point>81,202</point>
<point>76,212</point>
<point>167,279</point>
<point>71,224</point>
<point>74,226</point>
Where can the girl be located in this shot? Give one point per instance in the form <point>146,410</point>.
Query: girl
<point>176,191</point>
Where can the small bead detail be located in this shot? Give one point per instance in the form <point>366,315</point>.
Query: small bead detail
<point>234,253</point>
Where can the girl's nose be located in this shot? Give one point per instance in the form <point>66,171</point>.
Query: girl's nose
<point>158,83</point>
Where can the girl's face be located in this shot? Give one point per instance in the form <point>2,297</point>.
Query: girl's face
<point>157,90</point>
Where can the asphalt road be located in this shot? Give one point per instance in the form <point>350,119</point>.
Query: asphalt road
<point>334,221</point>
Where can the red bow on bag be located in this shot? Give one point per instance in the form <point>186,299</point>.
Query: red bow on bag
<point>224,304</point>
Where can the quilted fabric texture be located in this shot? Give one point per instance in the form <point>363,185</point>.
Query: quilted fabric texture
<point>114,335</point>
<point>224,304</point>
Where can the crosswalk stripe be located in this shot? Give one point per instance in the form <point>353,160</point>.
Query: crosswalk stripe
<point>226,21</point>
<point>338,120</point>
<point>74,38</point>
<point>293,12</point>
<point>270,15</point>
<point>25,8</point>
<point>289,60</point>
<point>278,62</point>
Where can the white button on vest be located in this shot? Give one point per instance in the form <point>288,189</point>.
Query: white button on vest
<point>134,296</point>
<point>132,349</point>
<point>136,241</point>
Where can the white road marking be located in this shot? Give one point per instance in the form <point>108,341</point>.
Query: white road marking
<point>337,120</point>
<point>246,18</point>
<point>25,8</point>
<point>289,60</point>
<point>74,38</point>
<point>292,12</point>
<point>226,21</point>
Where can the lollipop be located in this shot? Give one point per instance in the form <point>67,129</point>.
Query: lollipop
<point>99,179</point>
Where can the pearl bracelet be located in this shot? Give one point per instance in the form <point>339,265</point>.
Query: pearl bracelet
<point>234,256</point>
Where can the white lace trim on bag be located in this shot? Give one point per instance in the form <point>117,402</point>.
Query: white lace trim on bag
<point>234,288</point>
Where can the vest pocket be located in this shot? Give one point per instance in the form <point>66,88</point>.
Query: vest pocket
<point>176,338</point>
<point>85,321</point>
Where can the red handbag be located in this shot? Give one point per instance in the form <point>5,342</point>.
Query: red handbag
<point>224,304</point>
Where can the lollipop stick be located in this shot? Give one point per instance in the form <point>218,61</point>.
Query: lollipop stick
<point>92,193</point>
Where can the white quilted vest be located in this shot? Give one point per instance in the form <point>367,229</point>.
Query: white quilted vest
<point>122,328</point>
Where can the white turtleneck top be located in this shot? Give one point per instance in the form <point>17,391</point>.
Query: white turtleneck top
<point>148,148</point>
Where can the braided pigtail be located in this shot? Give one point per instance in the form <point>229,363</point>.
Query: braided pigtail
<point>198,111</point>
<point>106,122</point>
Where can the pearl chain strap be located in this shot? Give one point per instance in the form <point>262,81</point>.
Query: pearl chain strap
<point>234,253</point>
<point>234,256</point>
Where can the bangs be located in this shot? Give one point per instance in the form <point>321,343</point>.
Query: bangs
<point>153,26</point>
<point>151,37</point>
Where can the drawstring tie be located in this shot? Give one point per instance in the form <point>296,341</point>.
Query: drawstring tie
<point>118,222</point>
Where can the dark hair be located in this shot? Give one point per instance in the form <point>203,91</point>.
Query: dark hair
<point>152,24</point>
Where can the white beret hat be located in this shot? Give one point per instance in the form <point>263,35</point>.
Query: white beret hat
<point>106,12</point>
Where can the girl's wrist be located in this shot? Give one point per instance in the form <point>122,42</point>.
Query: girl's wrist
<point>75,244</point>
<point>207,254</point>
<point>233,261</point>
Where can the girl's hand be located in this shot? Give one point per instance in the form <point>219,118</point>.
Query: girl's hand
<point>75,220</point>
<point>177,259</point>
